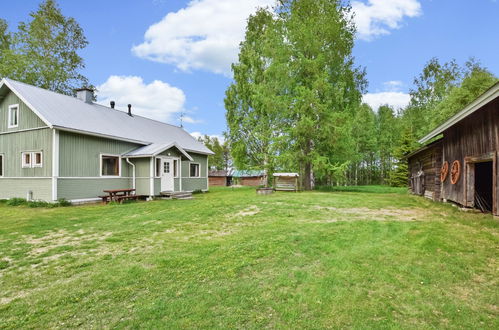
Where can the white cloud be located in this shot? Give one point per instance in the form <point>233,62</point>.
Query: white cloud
<point>397,100</point>
<point>157,100</point>
<point>204,35</point>
<point>190,120</point>
<point>378,17</point>
<point>393,85</point>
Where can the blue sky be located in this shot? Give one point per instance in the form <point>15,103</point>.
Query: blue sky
<point>172,56</point>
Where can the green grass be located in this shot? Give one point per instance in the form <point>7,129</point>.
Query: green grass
<point>231,258</point>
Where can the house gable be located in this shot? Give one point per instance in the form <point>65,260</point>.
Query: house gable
<point>27,119</point>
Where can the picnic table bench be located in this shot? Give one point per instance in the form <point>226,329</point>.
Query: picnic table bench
<point>118,195</point>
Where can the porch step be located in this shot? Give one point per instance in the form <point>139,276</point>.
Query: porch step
<point>177,194</point>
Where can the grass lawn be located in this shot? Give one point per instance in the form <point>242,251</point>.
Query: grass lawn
<point>369,258</point>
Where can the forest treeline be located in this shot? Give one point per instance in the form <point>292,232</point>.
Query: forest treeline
<point>295,104</point>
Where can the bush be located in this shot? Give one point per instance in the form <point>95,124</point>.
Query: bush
<point>16,201</point>
<point>23,202</point>
<point>63,202</point>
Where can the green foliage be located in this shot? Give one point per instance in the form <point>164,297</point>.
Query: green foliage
<point>16,201</point>
<point>36,204</point>
<point>254,101</point>
<point>221,159</point>
<point>44,51</point>
<point>295,90</point>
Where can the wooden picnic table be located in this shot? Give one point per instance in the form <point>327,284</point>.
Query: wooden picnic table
<point>118,195</point>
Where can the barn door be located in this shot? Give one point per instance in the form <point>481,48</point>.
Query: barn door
<point>470,185</point>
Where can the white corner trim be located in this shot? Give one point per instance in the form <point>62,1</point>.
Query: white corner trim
<point>55,163</point>
<point>151,177</point>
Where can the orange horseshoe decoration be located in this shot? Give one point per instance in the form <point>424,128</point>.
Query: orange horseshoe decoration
<point>444,171</point>
<point>455,172</point>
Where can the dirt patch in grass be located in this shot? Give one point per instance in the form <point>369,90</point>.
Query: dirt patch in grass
<point>364,213</point>
<point>249,211</point>
<point>55,239</point>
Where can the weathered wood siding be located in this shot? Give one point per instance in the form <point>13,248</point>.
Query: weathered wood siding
<point>476,135</point>
<point>431,160</point>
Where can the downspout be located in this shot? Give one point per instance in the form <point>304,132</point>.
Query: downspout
<point>133,172</point>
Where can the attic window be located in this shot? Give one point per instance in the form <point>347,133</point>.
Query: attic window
<point>110,165</point>
<point>13,116</point>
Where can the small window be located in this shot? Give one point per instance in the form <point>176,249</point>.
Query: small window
<point>13,116</point>
<point>110,166</point>
<point>166,168</point>
<point>26,159</point>
<point>175,168</point>
<point>1,165</point>
<point>158,167</point>
<point>194,170</point>
<point>37,159</point>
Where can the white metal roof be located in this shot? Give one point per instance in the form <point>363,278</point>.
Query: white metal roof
<point>491,94</point>
<point>155,149</point>
<point>286,174</point>
<point>69,113</point>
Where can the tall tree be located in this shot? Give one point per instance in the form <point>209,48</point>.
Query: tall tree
<point>221,159</point>
<point>431,86</point>
<point>388,135</point>
<point>44,51</point>
<point>253,101</point>
<point>324,84</point>
<point>477,80</point>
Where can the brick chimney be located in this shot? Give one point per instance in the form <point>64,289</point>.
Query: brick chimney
<point>85,94</point>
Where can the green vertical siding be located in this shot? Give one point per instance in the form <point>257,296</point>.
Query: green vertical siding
<point>27,119</point>
<point>79,155</point>
<point>12,145</point>
<point>191,184</point>
<point>41,188</point>
<point>142,186</point>
<point>71,189</point>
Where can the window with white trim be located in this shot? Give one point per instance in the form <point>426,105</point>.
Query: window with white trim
<point>110,165</point>
<point>32,159</point>
<point>194,170</point>
<point>1,165</point>
<point>26,159</point>
<point>158,167</point>
<point>175,168</point>
<point>13,116</point>
<point>37,159</point>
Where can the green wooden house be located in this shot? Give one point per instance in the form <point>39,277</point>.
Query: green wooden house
<point>55,146</point>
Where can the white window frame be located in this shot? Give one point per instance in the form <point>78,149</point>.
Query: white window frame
<point>156,167</point>
<point>199,170</point>
<point>23,163</point>
<point>12,106</point>
<point>119,166</point>
<point>2,162</point>
<point>33,159</point>
<point>176,170</point>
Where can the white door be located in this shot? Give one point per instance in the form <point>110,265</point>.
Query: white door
<point>166,174</point>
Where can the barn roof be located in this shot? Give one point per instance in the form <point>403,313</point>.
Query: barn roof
<point>491,94</point>
<point>72,114</point>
